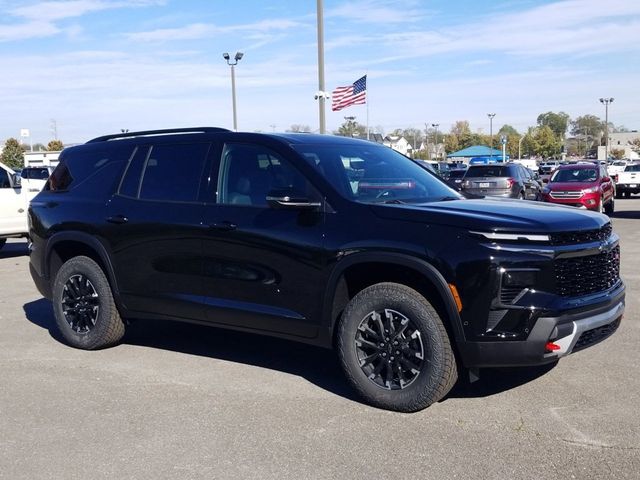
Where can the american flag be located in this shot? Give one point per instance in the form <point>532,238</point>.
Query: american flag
<point>355,94</point>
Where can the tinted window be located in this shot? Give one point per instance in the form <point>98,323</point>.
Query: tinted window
<point>174,172</point>
<point>458,173</point>
<point>632,168</point>
<point>79,164</point>
<point>575,175</point>
<point>249,172</point>
<point>35,173</point>
<point>4,179</point>
<point>490,171</point>
<point>371,173</point>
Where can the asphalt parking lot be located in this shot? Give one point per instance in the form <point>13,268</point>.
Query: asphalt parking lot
<point>183,401</point>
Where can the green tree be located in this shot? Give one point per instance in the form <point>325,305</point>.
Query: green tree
<point>13,154</point>
<point>351,127</point>
<point>507,130</point>
<point>451,143</point>
<point>557,122</point>
<point>546,142</point>
<point>55,146</point>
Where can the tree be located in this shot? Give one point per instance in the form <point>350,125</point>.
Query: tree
<point>350,128</point>
<point>13,154</point>
<point>635,145</point>
<point>617,153</point>
<point>451,143</point>
<point>557,122</point>
<point>296,128</point>
<point>546,142</point>
<point>507,130</point>
<point>414,136</point>
<point>55,146</point>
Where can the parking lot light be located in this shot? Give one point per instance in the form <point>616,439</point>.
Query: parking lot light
<point>238,56</point>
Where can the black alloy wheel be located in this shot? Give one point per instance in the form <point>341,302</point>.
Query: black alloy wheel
<point>80,304</point>
<point>390,349</point>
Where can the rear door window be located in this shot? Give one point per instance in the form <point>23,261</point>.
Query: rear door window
<point>173,172</point>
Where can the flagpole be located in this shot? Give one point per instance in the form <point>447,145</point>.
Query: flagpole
<point>367,75</point>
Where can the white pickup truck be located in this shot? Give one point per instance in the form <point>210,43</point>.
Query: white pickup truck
<point>628,180</point>
<point>13,206</point>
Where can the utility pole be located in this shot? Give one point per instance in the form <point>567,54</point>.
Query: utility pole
<point>322,94</point>
<point>606,102</point>
<point>436,125</point>
<point>491,115</point>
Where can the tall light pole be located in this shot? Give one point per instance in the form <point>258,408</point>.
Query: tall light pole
<point>491,115</point>
<point>606,102</point>
<point>323,95</point>
<point>436,125</point>
<point>233,64</point>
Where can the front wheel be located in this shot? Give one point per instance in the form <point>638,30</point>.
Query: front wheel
<point>610,207</point>
<point>83,305</point>
<point>394,348</point>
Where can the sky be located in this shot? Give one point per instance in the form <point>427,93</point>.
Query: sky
<point>97,66</point>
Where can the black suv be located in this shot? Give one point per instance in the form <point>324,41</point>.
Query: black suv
<point>326,240</point>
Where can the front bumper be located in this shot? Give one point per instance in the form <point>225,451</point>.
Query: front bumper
<point>590,201</point>
<point>572,330</point>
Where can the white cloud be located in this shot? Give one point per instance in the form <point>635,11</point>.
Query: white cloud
<point>197,31</point>
<point>378,12</point>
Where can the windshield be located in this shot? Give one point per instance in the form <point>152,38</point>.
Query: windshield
<point>489,171</point>
<point>375,174</point>
<point>575,175</point>
<point>619,164</point>
<point>457,173</point>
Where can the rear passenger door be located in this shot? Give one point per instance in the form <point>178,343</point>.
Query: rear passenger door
<point>154,227</point>
<point>263,266</point>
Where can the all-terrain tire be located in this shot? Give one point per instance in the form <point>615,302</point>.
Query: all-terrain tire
<point>107,328</point>
<point>438,371</point>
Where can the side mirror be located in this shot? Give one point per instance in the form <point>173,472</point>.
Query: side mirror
<point>290,200</point>
<point>17,181</point>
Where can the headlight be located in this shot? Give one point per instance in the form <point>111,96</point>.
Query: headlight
<point>590,190</point>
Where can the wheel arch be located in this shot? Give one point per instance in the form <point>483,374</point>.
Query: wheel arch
<point>346,280</point>
<point>65,245</point>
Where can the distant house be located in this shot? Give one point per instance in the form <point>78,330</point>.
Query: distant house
<point>477,154</point>
<point>399,144</point>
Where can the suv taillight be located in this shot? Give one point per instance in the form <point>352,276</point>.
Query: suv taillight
<point>510,182</point>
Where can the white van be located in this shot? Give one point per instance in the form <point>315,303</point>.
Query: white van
<point>13,206</point>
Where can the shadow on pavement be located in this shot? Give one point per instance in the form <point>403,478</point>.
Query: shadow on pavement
<point>14,249</point>
<point>630,214</point>
<point>317,365</point>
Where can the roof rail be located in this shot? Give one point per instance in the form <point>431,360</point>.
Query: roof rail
<point>146,133</point>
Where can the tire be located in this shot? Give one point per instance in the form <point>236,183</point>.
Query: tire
<point>3,241</point>
<point>610,207</point>
<point>407,311</point>
<point>627,194</point>
<point>521,196</point>
<point>82,290</point>
<point>618,194</point>
<point>600,208</point>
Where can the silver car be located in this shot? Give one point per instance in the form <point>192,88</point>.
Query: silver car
<point>501,180</point>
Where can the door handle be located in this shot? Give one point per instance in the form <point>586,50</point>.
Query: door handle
<point>118,219</point>
<point>223,226</point>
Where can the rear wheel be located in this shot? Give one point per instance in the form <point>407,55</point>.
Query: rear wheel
<point>394,348</point>
<point>83,305</point>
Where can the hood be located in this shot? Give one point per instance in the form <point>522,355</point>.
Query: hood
<point>498,215</point>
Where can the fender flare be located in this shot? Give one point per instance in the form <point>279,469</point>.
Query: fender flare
<point>423,267</point>
<point>90,241</point>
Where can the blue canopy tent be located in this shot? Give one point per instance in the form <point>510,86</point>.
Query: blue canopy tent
<point>478,154</point>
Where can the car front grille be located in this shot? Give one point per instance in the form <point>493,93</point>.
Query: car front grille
<point>570,238</point>
<point>589,274</point>
<point>560,195</point>
<point>595,335</point>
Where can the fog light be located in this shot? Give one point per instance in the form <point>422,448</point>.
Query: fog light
<point>519,278</point>
<point>591,201</point>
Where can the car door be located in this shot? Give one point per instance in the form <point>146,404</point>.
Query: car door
<point>154,230</point>
<point>529,184</point>
<point>263,266</point>
<point>13,216</point>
